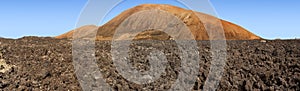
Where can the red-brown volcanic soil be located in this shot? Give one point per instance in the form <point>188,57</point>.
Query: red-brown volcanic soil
<point>33,63</point>
<point>189,17</point>
<point>39,63</point>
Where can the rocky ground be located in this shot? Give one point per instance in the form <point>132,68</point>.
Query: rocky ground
<point>33,63</point>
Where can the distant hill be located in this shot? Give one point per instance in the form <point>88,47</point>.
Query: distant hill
<point>190,18</point>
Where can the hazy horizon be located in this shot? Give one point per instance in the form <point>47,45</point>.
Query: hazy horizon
<point>55,17</point>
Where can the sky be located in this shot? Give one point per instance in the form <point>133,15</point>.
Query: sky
<point>270,19</point>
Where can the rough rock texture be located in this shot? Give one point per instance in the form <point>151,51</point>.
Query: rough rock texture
<point>198,23</point>
<point>46,64</point>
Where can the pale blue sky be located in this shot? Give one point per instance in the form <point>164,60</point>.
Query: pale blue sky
<point>267,18</point>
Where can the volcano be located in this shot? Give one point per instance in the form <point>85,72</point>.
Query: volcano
<point>189,17</point>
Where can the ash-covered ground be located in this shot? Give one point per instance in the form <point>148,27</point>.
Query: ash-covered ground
<point>33,63</point>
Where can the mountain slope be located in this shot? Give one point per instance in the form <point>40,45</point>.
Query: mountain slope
<point>190,18</point>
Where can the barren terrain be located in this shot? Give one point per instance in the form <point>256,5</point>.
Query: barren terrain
<point>199,24</point>
<point>33,63</point>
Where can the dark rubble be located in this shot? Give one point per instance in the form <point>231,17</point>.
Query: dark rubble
<point>35,63</point>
